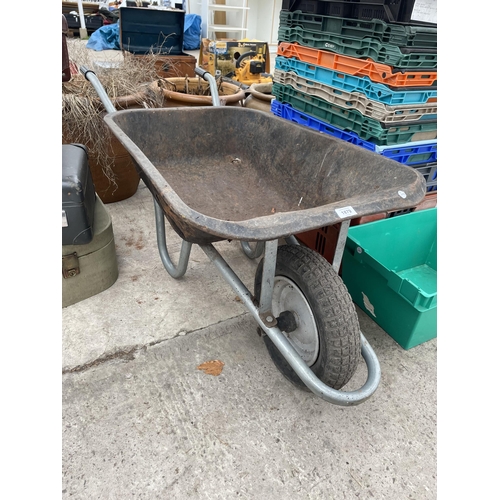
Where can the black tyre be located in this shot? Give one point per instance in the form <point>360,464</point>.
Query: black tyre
<point>327,333</point>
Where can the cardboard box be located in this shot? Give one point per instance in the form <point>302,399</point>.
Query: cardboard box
<point>222,54</point>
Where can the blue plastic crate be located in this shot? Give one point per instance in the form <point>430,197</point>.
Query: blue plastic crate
<point>387,116</point>
<point>289,113</point>
<point>411,153</point>
<point>429,171</point>
<point>350,83</point>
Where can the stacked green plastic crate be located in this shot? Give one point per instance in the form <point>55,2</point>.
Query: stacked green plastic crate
<point>360,78</point>
<point>345,69</point>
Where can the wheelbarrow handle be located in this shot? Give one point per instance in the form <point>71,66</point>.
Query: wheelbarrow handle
<point>211,81</point>
<point>92,78</point>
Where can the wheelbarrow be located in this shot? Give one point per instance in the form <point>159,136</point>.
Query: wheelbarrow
<point>227,173</point>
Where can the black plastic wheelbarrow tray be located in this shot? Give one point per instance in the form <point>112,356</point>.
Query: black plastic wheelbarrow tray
<point>228,173</point>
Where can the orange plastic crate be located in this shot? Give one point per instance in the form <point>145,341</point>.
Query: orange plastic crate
<point>377,72</point>
<point>324,240</point>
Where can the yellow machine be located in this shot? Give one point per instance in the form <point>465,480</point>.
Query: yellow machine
<point>250,68</point>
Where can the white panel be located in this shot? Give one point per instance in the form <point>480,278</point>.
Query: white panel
<point>425,10</point>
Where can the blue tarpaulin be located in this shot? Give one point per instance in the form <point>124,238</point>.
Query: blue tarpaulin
<point>105,38</point>
<point>192,32</point>
<point>108,37</point>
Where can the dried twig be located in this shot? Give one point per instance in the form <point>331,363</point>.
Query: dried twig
<point>82,110</point>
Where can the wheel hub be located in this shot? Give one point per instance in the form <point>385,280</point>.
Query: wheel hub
<point>286,321</point>
<point>289,301</point>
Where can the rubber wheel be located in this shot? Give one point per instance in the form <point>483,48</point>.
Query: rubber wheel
<point>327,336</point>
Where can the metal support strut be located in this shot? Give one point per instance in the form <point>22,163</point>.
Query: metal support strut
<point>290,354</point>
<point>339,249</point>
<point>267,286</point>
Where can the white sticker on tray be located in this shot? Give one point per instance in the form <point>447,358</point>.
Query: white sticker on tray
<point>345,212</point>
<point>368,305</point>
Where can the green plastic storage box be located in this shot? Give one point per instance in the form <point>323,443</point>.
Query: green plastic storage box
<point>390,269</point>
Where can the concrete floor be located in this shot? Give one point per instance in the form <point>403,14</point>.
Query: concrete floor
<point>141,421</point>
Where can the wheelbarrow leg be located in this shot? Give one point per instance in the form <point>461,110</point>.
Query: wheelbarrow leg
<point>252,253</point>
<point>267,287</point>
<point>255,253</point>
<point>292,240</point>
<point>339,249</point>
<point>174,271</point>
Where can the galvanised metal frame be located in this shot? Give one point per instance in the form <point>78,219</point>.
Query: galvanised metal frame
<point>263,312</point>
<point>265,319</point>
